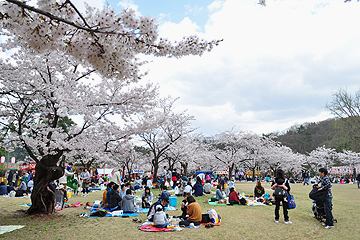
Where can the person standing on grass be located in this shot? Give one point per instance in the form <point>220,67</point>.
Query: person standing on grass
<point>278,199</point>
<point>305,176</point>
<point>358,179</point>
<point>326,186</point>
<point>85,177</point>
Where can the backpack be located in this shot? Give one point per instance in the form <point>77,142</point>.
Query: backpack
<point>279,192</point>
<point>98,213</point>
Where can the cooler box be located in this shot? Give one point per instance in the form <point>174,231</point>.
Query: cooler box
<point>173,201</point>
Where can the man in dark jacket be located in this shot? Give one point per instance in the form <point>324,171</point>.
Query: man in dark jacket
<point>163,202</point>
<point>115,198</point>
<point>326,186</point>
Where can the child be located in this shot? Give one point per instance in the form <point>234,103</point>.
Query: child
<point>160,219</point>
<point>280,184</point>
<point>177,190</point>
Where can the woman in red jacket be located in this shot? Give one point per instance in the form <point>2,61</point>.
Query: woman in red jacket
<point>233,197</point>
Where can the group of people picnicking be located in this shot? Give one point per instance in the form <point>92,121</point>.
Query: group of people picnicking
<point>19,183</point>
<point>119,193</point>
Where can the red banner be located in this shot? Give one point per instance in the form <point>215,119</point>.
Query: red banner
<point>27,166</point>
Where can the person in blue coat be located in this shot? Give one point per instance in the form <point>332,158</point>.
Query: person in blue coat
<point>165,193</point>
<point>198,189</point>
<point>3,189</point>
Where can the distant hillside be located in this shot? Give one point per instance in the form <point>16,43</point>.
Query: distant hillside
<point>308,136</point>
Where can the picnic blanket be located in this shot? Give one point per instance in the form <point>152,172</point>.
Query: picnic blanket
<point>10,228</point>
<point>250,203</point>
<point>25,205</point>
<point>216,203</point>
<point>150,228</point>
<point>194,226</point>
<point>146,210</point>
<point>115,214</point>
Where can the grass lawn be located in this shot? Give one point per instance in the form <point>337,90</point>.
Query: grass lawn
<point>238,222</point>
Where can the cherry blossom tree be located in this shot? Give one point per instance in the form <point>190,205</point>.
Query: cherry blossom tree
<point>47,80</point>
<point>350,158</point>
<point>103,39</point>
<point>321,157</point>
<point>167,128</point>
<point>188,152</point>
<point>37,91</point>
<point>228,150</point>
<point>279,156</point>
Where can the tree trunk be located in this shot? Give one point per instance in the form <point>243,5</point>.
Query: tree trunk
<point>184,165</point>
<point>156,167</point>
<point>43,194</point>
<point>231,168</point>
<point>253,176</point>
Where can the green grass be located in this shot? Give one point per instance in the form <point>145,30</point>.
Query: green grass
<point>238,222</point>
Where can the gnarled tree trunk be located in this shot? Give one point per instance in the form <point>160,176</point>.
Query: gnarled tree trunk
<point>43,194</point>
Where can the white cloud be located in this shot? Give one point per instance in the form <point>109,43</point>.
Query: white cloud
<point>277,66</point>
<point>215,6</point>
<point>129,4</point>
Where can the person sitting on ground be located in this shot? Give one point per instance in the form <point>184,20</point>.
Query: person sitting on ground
<point>3,189</point>
<point>207,187</point>
<point>259,191</point>
<point>160,218</point>
<point>163,202</point>
<point>188,188</point>
<point>128,204</point>
<point>233,196</point>
<point>177,190</point>
<point>147,198</point>
<point>184,205</point>
<point>115,199</point>
<point>137,181</point>
<point>198,189</point>
<point>194,212</point>
<point>165,193</point>
<point>219,196</point>
<point>22,187</point>
<point>30,184</point>
<point>109,188</point>
<point>10,188</point>
<point>106,200</point>
<point>122,192</point>
<point>128,186</point>
<point>231,183</point>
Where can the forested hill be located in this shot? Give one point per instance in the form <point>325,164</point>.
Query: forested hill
<point>332,133</point>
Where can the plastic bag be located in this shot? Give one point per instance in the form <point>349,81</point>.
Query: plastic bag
<point>214,217</point>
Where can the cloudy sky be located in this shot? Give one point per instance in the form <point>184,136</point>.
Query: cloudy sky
<point>277,66</point>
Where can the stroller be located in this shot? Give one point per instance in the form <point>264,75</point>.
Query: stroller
<point>319,198</point>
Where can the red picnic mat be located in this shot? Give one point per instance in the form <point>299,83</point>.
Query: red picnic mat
<point>149,228</point>
<point>216,224</point>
